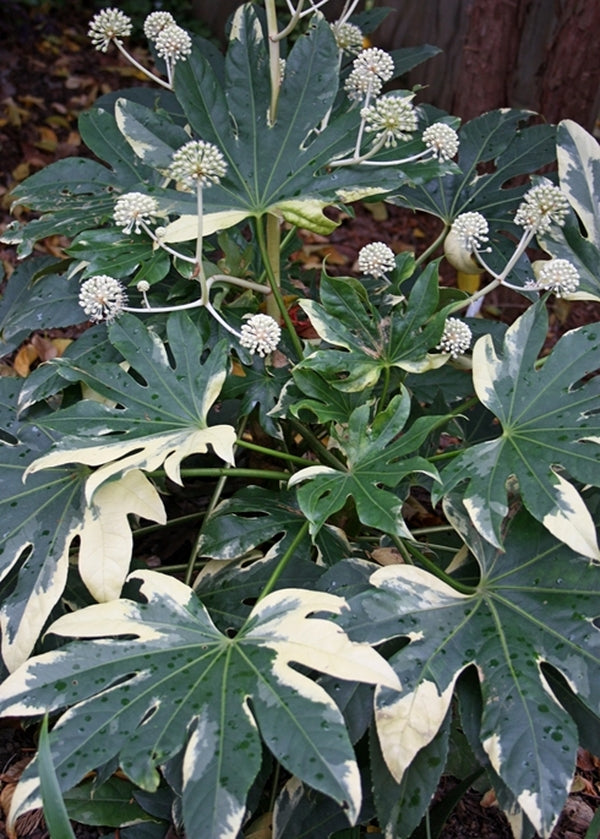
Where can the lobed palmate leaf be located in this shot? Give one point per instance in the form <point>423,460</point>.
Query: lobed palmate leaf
<point>373,341</point>
<point>549,423</point>
<point>157,421</point>
<point>578,156</point>
<point>168,681</point>
<point>535,604</point>
<point>35,544</point>
<point>374,458</point>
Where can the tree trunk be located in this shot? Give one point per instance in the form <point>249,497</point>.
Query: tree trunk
<point>571,76</point>
<point>489,54</point>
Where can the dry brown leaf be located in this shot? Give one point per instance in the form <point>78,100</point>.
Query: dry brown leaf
<point>387,556</point>
<point>261,828</point>
<point>24,358</point>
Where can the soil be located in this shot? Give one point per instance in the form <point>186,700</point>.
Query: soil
<point>49,74</point>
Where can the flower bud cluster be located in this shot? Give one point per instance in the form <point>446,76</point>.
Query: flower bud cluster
<point>370,69</point>
<point>198,163</point>
<point>471,231</point>
<point>134,209</point>
<point>156,22</point>
<point>102,298</point>
<point>456,338</point>
<point>376,259</point>
<point>558,276</point>
<point>108,25</point>
<point>348,37</point>
<point>542,205</point>
<point>173,43</point>
<point>260,334</point>
<point>442,140</point>
<point>392,117</point>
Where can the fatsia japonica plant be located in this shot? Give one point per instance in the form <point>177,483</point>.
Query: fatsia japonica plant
<point>319,661</point>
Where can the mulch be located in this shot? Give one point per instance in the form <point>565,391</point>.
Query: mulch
<point>49,74</point>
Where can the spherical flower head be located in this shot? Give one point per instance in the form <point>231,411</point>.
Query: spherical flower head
<point>359,83</point>
<point>456,338</point>
<point>558,276</point>
<point>392,117</point>
<point>442,140</point>
<point>173,43</point>
<point>102,298</point>
<point>134,209</point>
<point>198,163</point>
<point>376,259</point>
<point>143,286</point>
<point>348,37</point>
<point>542,205</point>
<point>156,22</point>
<point>471,230</point>
<point>108,25</point>
<point>375,62</point>
<point>260,334</point>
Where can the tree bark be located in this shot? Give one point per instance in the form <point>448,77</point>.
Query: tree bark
<point>571,76</point>
<point>489,55</point>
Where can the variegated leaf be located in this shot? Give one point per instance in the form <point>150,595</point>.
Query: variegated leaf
<point>534,605</point>
<point>175,684</point>
<point>157,421</point>
<point>549,432</point>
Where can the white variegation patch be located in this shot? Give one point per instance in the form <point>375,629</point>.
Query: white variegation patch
<point>571,521</point>
<point>416,587</point>
<point>185,228</point>
<point>317,643</point>
<point>143,143</point>
<point>529,801</point>
<point>147,453</point>
<point>106,538</point>
<point>493,748</point>
<point>409,723</point>
<point>19,640</point>
<point>27,796</point>
<point>479,510</point>
<point>117,617</point>
<point>306,213</point>
<point>310,472</point>
<point>578,155</point>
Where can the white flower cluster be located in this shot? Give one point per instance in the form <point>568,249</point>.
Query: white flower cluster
<point>471,230</point>
<point>376,259</point>
<point>456,338</point>
<point>558,276</point>
<point>392,117</point>
<point>102,297</point>
<point>108,25</point>
<point>134,209</point>
<point>370,69</point>
<point>173,43</point>
<point>260,334</point>
<point>156,22</point>
<point>198,163</point>
<point>542,205</point>
<point>348,37</point>
<point>442,140</point>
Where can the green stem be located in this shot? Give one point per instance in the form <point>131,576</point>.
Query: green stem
<point>433,246</point>
<point>233,471</point>
<point>279,569</point>
<point>254,447</point>
<point>317,446</point>
<point>199,243</point>
<point>274,58</point>
<point>139,66</point>
<point>266,247</point>
<point>430,566</point>
<point>384,393</point>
